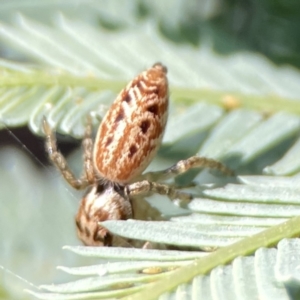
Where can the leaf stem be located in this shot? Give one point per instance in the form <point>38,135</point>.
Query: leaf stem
<point>247,246</point>
<point>267,104</point>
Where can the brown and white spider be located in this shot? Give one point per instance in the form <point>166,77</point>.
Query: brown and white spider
<point>126,142</point>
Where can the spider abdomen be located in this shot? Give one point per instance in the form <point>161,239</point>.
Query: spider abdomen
<point>131,131</point>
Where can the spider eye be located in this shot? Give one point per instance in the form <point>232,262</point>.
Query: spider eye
<point>102,237</point>
<point>107,239</point>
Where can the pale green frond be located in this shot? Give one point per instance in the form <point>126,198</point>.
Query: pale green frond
<point>269,133</point>
<point>78,66</point>
<point>239,108</point>
<point>212,226</point>
<point>232,128</point>
<point>288,164</point>
<point>263,275</point>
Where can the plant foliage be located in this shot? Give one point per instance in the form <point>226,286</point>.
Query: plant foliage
<point>240,108</point>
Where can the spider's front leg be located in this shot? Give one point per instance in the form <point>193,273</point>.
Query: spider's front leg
<point>60,162</point>
<point>145,186</point>
<point>88,146</point>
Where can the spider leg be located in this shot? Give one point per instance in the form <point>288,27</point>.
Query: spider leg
<point>88,146</point>
<point>145,186</point>
<point>58,159</point>
<point>184,165</point>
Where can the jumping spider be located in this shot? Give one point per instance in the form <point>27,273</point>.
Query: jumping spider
<point>127,140</point>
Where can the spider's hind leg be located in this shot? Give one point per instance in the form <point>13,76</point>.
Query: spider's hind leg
<point>184,165</point>
<point>148,181</point>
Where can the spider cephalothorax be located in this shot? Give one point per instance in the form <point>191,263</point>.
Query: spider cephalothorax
<point>99,204</point>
